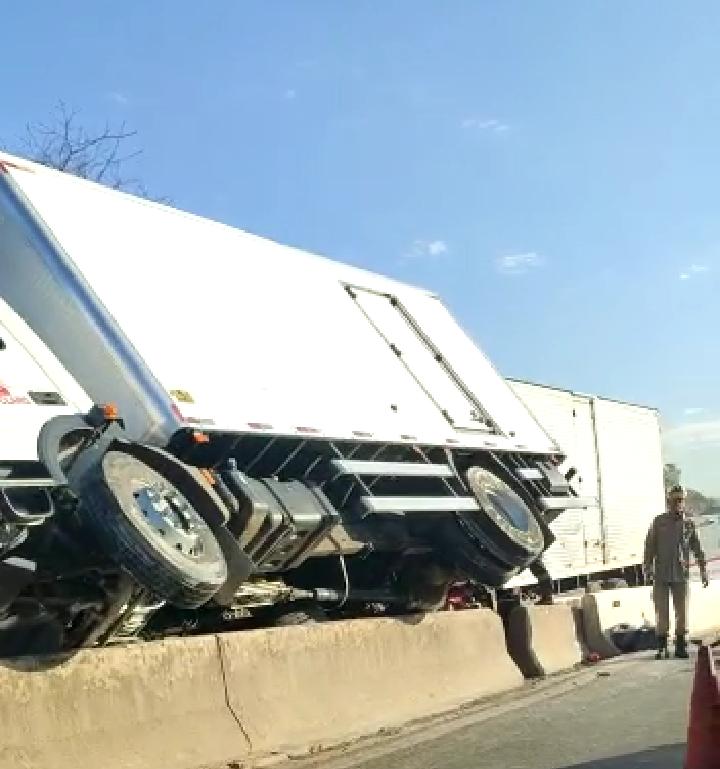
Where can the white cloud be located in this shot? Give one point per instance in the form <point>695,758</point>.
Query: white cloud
<point>482,124</point>
<point>437,247</point>
<point>118,98</point>
<point>701,435</point>
<point>427,248</point>
<point>694,269</point>
<point>518,264</point>
<point>692,411</point>
<point>290,94</point>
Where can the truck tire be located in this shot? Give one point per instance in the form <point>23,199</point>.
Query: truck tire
<point>149,529</point>
<point>498,540</point>
<point>470,556</point>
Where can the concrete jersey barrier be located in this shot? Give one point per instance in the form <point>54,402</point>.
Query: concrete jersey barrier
<point>606,610</point>
<point>609,609</point>
<point>543,639</point>
<point>704,609</point>
<point>216,700</point>
<point>574,601</point>
<point>154,704</point>
<point>324,684</point>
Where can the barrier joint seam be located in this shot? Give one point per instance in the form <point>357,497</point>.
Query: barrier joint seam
<point>228,704</point>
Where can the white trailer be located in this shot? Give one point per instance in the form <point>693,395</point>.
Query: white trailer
<point>283,428</point>
<point>616,449</point>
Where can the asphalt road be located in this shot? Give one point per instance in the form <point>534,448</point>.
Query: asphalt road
<point>629,714</point>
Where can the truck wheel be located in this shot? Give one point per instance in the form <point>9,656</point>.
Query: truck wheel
<point>496,541</point>
<point>504,516</point>
<point>148,527</point>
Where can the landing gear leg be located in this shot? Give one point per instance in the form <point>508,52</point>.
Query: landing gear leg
<point>544,580</point>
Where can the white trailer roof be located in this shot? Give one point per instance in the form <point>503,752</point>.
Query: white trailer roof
<point>522,384</point>
<point>246,334</point>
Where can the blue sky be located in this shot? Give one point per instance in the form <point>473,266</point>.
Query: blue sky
<point>550,168</point>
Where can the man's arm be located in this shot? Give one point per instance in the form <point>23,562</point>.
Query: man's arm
<point>698,552</point>
<point>650,552</point>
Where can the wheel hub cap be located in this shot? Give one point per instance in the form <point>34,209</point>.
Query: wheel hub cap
<point>172,518</point>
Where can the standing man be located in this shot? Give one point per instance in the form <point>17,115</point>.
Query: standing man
<point>671,539</point>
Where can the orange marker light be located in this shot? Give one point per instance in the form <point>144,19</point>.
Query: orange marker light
<point>110,412</point>
<point>199,437</point>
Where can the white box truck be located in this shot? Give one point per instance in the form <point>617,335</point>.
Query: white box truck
<point>616,451</point>
<point>200,426</point>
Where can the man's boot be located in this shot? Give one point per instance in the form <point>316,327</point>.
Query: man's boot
<point>662,648</point>
<point>681,651</point>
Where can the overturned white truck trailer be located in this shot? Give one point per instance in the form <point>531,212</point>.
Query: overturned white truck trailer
<point>616,450</point>
<point>201,426</point>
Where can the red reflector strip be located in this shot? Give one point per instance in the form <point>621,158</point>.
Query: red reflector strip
<point>307,430</point>
<point>259,426</point>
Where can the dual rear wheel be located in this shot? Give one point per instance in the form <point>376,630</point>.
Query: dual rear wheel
<point>148,527</point>
<point>494,543</point>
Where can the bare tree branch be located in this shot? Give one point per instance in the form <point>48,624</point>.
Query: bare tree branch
<point>63,143</point>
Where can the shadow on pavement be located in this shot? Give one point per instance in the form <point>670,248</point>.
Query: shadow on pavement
<point>662,757</point>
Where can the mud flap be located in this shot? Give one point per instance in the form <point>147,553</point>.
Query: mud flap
<point>50,440</point>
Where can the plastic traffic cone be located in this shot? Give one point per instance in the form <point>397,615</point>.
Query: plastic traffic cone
<point>703,737</point>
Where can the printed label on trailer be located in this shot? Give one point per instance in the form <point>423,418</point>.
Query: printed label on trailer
<point>183,396</point>
<point>8,399</point>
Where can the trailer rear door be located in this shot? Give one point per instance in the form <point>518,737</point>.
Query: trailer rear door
<point>555,410</point>
<point>631,481</point>
<point>586,484</point>
<point>569,418</point>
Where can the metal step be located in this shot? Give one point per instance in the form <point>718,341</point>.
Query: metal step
<point>399,469</point>
<point>566,503</point>
<point>418,504</point>
<point>529,473</point>
<point>27,483</point>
